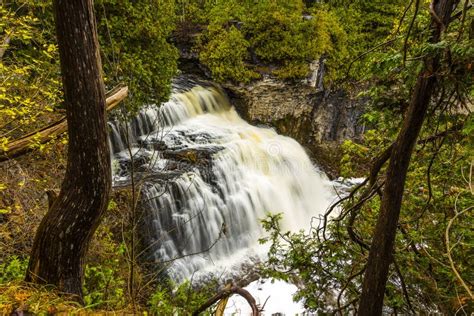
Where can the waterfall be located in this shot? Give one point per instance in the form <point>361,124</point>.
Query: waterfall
<point>209,178</point>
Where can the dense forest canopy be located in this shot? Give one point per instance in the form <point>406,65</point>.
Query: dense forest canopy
<point>376,51</point>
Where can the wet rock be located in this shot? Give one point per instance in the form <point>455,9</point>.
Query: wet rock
<point>196,156</point>
<point>125,164</point>
<point>193,159</point>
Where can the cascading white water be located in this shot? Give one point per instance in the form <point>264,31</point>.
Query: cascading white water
<point>215,172</point>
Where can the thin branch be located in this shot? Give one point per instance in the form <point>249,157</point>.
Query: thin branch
<point>405,43</point>
<point>348,281</point>
<point>353,211</point>
<point>377,165</point>
<point>449,249</point>
<point>368,52</point>
<point>463,18</point>
<point>403,16</point>
<point>334,205</point>
<point>404,287</point>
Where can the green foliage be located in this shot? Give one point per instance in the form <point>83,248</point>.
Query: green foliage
<point>102,287</point>
<point>135,48</point>
<point>328,262</point>
<point>378,19</point>
<point>322,264</point>
<point>242,40</point>
<point>225,55</point>
<point>436,189</point>
<point>367,24</point>
<point>104,277</point>
<point>245,39</point>
<point>30,90</point>
<point>13,269</point>
<point>183,300</point>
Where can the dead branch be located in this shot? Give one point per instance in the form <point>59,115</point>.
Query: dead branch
<point>404,286</point>
<point>412,22</point>
<point>454,129</point>
<point>449,248</point>
<point>368,52</point>
<point>227,292</point>
<point>24,144</point>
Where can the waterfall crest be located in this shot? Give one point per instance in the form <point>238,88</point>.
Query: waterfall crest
<point>210,177</point>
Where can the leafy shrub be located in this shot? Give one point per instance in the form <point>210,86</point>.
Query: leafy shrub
<point>13,269</point>
<point>105,272</point>
<point>225,55</point>
<point>102,287</point>
<point>135,48</point>
<point>283,35</point>
<point>183,300</point>
<point>30,90</point>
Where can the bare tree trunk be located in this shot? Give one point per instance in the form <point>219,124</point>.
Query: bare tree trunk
<point>380,255</point>
<point>64,234</point>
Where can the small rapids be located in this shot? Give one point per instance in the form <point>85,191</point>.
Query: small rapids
<point>208,178</point>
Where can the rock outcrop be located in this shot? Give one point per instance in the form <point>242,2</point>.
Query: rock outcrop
<point>319,120</point>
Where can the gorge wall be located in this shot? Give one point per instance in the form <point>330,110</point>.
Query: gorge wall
<point>319,120</point>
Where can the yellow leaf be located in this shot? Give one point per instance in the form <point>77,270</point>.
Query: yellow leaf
<point>21,296</point>
<point>223,303</point>
<point>4,210</point>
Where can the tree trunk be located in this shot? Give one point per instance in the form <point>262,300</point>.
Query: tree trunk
<point>64,234</point>
<point>380,255</point>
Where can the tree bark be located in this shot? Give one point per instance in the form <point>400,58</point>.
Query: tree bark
<point>64,234</point>
<point>381,250</point>
<point>225,293</point>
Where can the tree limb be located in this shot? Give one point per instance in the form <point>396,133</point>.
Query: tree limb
<point>404,286</point>
<point>226,292</point>
<point>448,252</point>
<point>412,22</point>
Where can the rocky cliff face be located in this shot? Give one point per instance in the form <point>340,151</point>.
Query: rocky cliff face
<point>320,121</point>
<point>317,119</point>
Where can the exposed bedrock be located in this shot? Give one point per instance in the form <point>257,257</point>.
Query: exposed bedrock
<point>319,120</point>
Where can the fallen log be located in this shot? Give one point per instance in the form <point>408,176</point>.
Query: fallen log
<point>23,145</point>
